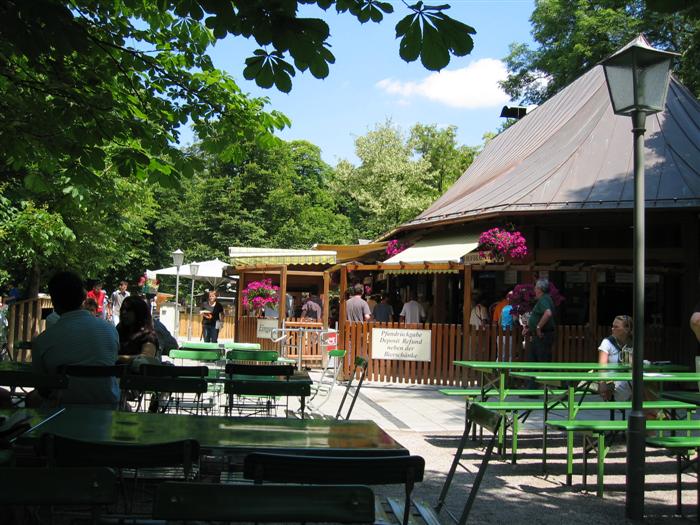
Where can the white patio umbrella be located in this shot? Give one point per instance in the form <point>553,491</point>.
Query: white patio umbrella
<point>211,272</point>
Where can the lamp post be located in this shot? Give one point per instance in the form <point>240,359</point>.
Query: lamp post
<point>178,259</point>
<point>637,77</point>
<point>194,268</point>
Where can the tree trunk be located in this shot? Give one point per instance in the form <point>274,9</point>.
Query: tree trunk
<point>34,280</point>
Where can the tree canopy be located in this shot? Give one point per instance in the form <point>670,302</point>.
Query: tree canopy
<point>572,36</point>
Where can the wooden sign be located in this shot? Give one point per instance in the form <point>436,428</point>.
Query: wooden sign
<point>265,327</point>
<point>402,344</point>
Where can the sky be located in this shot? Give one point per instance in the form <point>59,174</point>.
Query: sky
<point>370,84</point>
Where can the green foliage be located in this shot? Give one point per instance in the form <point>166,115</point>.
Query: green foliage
<point>572,36</point>
<point>439,147</point>
<point>391,185</point>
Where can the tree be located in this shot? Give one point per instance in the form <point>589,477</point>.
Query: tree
<point>572,36</point>
<point>388,187</point>
<point>76,77</point>
<point>439,147</point>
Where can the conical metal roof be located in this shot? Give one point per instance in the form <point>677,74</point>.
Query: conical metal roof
<point>574,154</point>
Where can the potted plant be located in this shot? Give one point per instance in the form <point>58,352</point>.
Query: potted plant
<point>394,247</point>
<point>499,243</point>
<point>258,294</point>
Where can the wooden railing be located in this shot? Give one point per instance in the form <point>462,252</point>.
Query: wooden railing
<point>310,345</point>
<point>573,343</point>
<point>226,332</point>
<point>24,323</point>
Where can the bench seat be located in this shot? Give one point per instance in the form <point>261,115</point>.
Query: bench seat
<point>598,428</point>
<point>526,407</point>
<point>476,392</point>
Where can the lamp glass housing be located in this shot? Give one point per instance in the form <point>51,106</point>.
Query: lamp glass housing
<point>194,268</point>
<point>637,79</point>
<point>178,257</point>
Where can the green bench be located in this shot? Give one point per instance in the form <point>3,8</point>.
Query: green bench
<point>476,392</point>
<point>511,410</point>
<point>680,447</point>
<point>594,439</point>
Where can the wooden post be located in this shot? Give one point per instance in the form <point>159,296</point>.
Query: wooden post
<point>341,310</point>
<point>690,287</point>
<point>283,292</point>
<point>593,304</point>
<point>239,304</point>
<point>326,298</point>
<point>466,310</point>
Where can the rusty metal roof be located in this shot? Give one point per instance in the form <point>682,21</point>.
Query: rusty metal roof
<point>573,153</point>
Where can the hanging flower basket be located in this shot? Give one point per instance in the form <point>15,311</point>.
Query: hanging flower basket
<point>499,243</point>
<point>259,294</point>
<point>394,247</point>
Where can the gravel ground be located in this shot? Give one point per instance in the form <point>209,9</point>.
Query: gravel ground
<point>429,424</point>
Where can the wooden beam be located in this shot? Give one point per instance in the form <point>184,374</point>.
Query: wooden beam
<point>283,301</point>
<point>341,310</point>
<point>467,309</point>
<point>593,299</point>
<point>326,297</point>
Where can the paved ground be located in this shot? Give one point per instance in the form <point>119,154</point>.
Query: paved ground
<point>429,424</point>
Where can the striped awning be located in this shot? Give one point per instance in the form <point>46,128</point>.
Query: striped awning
<point>244,256</point>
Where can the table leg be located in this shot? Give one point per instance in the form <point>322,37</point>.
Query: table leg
<point>453,468</point>
<point>570,437</point>
<point>544,429</point>
<point>514,430</point>
<point>602,452</point>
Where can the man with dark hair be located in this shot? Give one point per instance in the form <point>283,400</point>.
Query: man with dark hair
<point>115,302</point>
<point>356,308</point>
<point>77,338</point>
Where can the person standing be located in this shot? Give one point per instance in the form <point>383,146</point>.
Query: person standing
<point>507,325</point>
<point>383,312</point>
<point>356,308</point>
<point>540,325</point>
<point>412,311</point>
<point>116,300</point>
<point>99,295</point>
<point>212,314</point>
<point>311,309</point>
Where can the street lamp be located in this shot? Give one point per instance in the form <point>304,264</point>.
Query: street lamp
<point>194,268</point>
<point>637,76</point>
<point>178,259</point>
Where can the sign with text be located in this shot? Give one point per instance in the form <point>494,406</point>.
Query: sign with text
<point>265,327</point>
<point>401,343</point>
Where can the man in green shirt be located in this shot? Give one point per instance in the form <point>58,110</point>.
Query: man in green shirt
<point>540,326</point>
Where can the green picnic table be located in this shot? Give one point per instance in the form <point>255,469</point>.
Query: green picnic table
<point>598,428</point>
<point>575,382</point>
<point>222,436</point>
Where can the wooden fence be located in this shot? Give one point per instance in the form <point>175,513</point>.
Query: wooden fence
<point>573,343</point>
<point>226,332</point>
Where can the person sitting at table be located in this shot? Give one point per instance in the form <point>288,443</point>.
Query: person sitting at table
<point>616,348</point>
<point>138,341</point>
<point>77,338</point>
